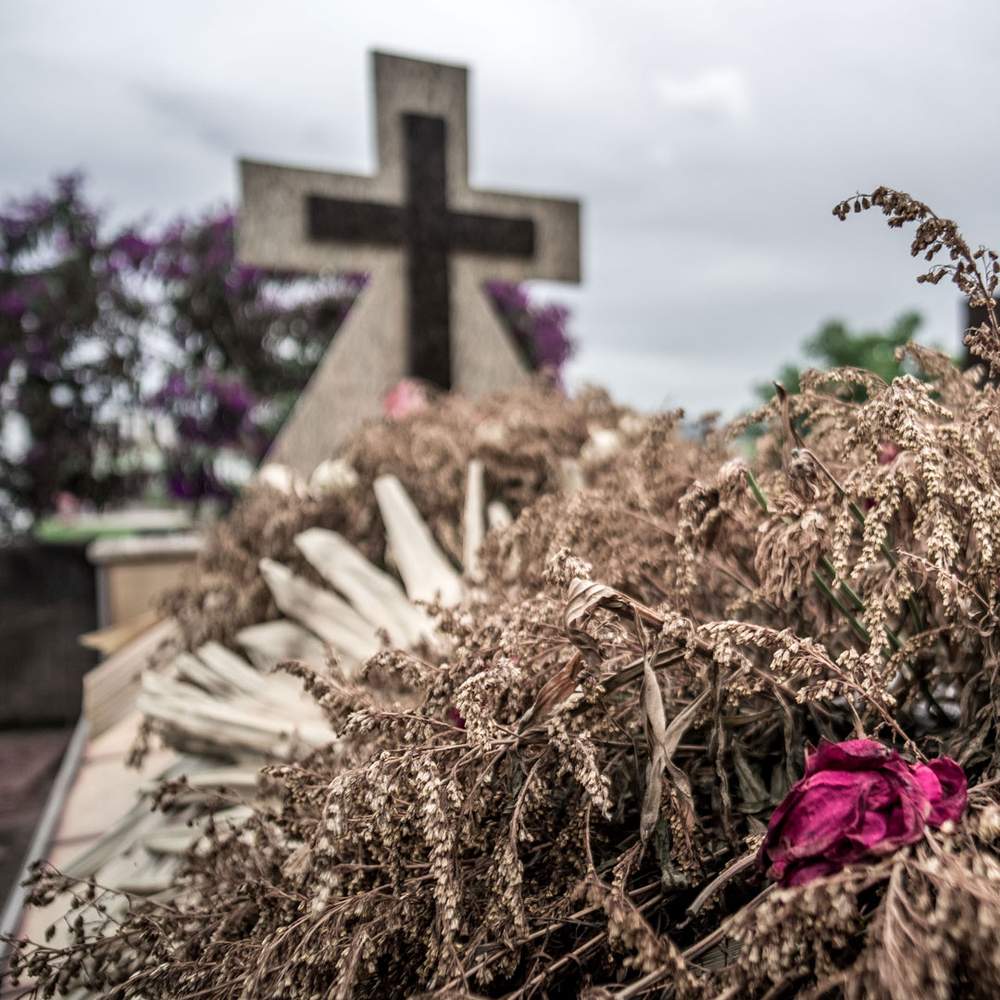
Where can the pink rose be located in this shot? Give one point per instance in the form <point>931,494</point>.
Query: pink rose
<point>857,800</point>
<point>406,397</point>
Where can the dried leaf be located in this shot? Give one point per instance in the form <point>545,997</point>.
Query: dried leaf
<point>663,741</point>
<point>473,519</point>
<point>753,792</point>
<point>585,596</point>
<point>426,572</point>
<point>655,723</point>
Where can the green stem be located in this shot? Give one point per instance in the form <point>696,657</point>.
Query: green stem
<point>758,493</point>
<point>861,631</point>
<point>859,605</point>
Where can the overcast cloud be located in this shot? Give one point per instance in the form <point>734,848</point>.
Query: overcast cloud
<point>708,141</point>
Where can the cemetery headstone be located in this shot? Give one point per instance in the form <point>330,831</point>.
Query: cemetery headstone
<point>428,241</point>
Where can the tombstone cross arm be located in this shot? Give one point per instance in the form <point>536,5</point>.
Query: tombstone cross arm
<point>337,219</point>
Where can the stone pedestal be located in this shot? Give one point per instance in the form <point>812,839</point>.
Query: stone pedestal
<point>133,572</point>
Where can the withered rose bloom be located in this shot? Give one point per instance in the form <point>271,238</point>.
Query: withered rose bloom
<point>406,397</point>
<point>858,800</point>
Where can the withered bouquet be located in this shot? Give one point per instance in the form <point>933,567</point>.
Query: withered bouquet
<point>689,724</point>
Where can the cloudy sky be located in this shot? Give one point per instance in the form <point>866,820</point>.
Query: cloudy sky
<point>708,140</point>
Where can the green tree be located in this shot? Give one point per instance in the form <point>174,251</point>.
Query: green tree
<point>836,346</point>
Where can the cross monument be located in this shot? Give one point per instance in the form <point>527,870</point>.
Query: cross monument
<point>428,242</point>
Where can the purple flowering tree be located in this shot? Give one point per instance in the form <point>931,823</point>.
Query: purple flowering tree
<point>240,345</point>
<point>541,330</point>
<point>136,361</point>
<point>70,353</point>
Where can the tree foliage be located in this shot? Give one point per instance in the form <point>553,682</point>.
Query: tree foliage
<point>835,345</point>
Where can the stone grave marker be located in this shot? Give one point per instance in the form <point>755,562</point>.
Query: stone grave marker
<point>428,242</point>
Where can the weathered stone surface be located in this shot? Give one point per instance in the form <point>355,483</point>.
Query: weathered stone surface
<point>374,348</point>
<point>48,598</point>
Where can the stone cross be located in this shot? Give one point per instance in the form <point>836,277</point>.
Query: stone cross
<point>428,241</point>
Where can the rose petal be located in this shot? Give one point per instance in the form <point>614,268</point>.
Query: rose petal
<point>776,870</point>
<point>774,826</point>
<point>406,397</point>
<point>883,791</point>
<point>908,815</point>
<point>850,755</point>
<point>929,782</point>
<point>954,790</point>
<point>873,828</point>
<point>828,805</point>
<point>806,871</point>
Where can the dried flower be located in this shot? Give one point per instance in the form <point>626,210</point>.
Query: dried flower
<point>858,799</point>
<point>648,650</point>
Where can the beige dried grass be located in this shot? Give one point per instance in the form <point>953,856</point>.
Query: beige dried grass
<point>573,806</point>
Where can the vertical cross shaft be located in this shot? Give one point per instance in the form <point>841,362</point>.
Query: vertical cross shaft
<point>427,239</point>
<point>429,232</point>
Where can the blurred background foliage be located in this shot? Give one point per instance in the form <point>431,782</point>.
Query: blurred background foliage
<point>145,363</point>
<point>836,346</point>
